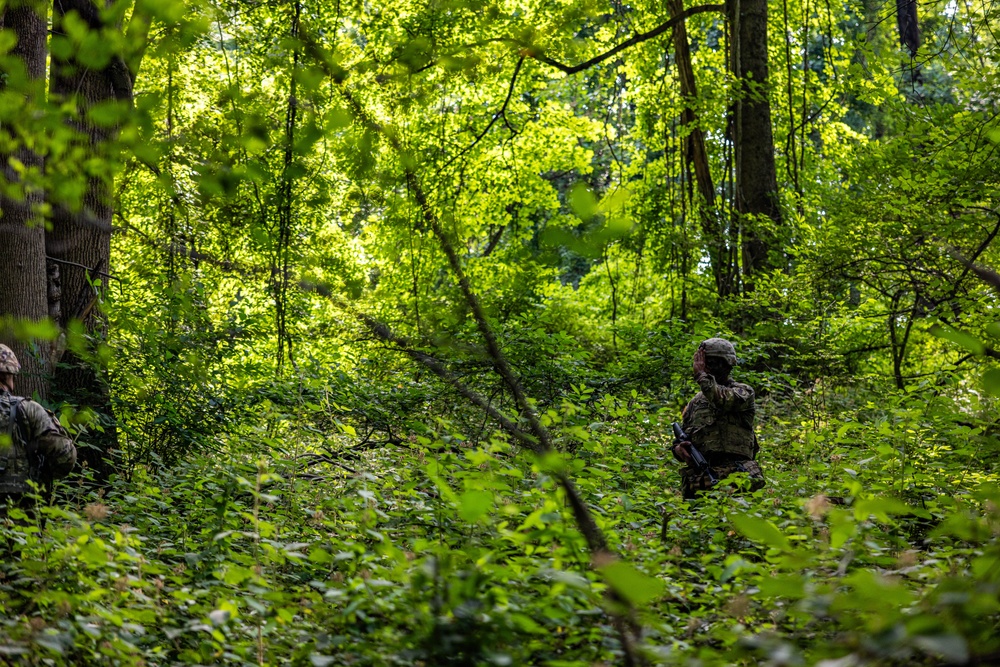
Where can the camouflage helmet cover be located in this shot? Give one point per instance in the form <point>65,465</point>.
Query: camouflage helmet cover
<point>8,360</point>
<point>720,347</point>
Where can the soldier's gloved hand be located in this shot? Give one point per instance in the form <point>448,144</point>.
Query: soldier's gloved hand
<point>682,453</point>
<point>698,363</point>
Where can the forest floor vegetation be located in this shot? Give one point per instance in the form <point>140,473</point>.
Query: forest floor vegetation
<point>875,541</point>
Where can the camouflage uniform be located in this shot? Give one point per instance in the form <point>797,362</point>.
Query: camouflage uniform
<point>33,444</point>
<point>719,421</point>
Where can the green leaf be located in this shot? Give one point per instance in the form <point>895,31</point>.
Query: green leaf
<point>107,114</point>
<point>960,338</point>
<point>630,583</point>
<point>8,40</point>
<point>474,504</point>
<point>42,330</point>
<point>583,202</point>
<point>317,555</point>
<point>991,381</point>
<point>760,530</point>
<point>882,507</point>
<point>792,586</point>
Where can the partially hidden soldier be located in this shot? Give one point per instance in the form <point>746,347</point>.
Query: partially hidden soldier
<point>719,421</point>
<point>33,444</point>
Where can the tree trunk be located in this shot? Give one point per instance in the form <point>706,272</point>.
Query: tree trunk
<point>22,230</point>
<point>696,157</point>
<point>757,206</point>
<point>80,239</point>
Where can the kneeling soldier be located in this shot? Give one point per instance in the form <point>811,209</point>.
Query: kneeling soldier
<point>33,444</point>
<point>719,421</point>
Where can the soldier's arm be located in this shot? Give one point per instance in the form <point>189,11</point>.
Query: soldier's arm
<point>48,439</point>
<point>738,398</point>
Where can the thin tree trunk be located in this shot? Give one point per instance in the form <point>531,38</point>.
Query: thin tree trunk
<point>281,263</point>
<point>23,291</point>
<point>696,154</point>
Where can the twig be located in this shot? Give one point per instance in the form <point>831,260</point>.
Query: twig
<point>501,113</point>
<point>636,39</point>
<point>985,274</point>
<point>82,266</point>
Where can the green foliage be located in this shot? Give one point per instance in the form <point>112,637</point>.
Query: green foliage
<point>292,488</point>
<point>448,550</point>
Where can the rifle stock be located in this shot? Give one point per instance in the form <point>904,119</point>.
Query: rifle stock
<point>700,462</point>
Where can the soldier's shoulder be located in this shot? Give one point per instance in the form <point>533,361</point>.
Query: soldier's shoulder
<point>35,411</point>
<point>698,402</point>
<point>28,404</point>
<point>743,387</point>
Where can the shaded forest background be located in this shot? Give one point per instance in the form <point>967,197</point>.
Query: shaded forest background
<point>370,320</point>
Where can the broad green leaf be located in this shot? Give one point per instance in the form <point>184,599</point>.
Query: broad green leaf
<point>790,586</point>
<point>760,530</point>
<point>582,201</point>
<point>960,338</point>
<point>474,504</point>
<point>630,583</point>
<point>318,555</point>
<point>8,40</point>
<point>991,380</point>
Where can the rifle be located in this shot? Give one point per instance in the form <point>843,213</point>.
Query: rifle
<point>700,462</point>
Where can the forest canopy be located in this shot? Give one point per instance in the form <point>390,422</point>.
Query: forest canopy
<point>369,321</point>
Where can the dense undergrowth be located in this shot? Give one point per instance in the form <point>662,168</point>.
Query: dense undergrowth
<point>874,542</point>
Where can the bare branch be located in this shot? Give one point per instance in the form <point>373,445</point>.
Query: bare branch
<point>636,39</point>
<point>502,113</point>
<point>985,274</point>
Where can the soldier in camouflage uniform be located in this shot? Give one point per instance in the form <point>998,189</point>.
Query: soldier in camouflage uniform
<point>33,444</point>
<point>719,421</point>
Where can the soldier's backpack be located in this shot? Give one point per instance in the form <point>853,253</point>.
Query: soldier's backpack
<point>15,464</point>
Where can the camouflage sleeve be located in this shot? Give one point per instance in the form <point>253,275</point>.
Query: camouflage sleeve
<point>48,439</point>
<point>737,398</point>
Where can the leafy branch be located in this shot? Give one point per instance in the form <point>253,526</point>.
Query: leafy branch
<point>536,437</point>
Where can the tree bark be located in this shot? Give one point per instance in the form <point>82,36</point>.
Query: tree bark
<point>23,292</point>
<point>80,238</point>
<point>757,205</point>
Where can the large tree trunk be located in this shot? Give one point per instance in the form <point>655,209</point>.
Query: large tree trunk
<point>22,230</point>
<point>696,157</point>
<point>757,205</point>
<point>80,238</point>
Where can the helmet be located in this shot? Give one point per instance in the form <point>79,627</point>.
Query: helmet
<point>8,360</point>
<point>720,347</point>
